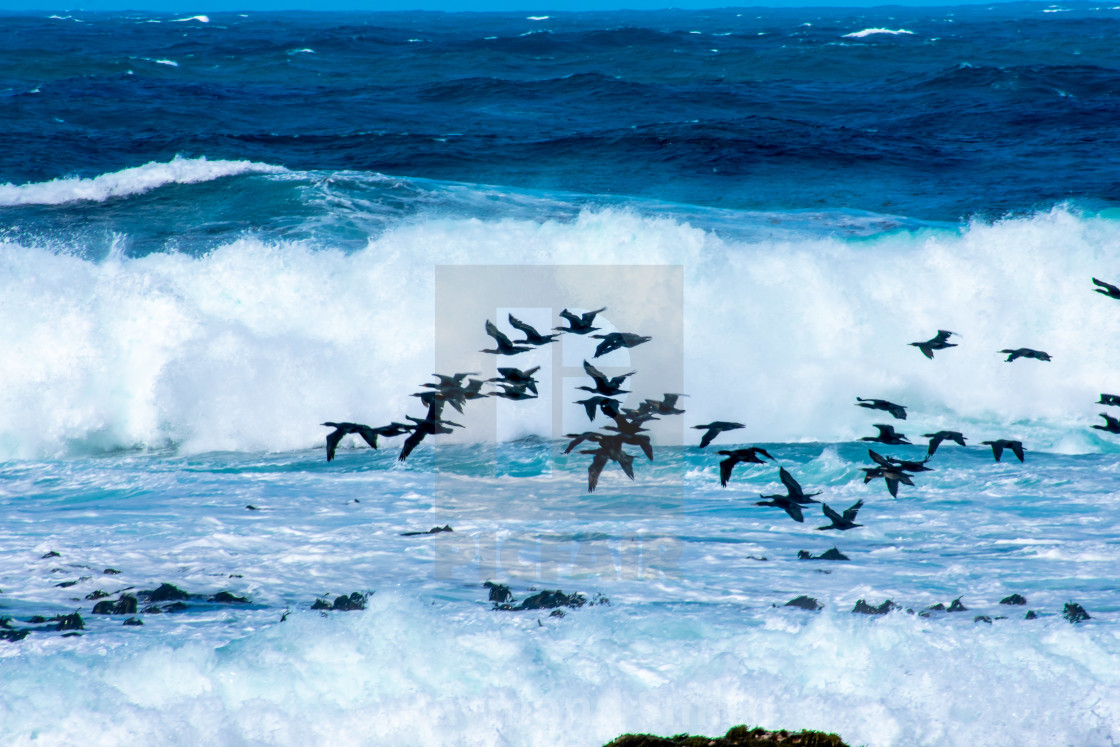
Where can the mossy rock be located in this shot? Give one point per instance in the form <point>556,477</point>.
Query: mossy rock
<point>737,736</point>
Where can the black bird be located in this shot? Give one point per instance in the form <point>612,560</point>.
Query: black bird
<point>432,425</point>
<point>366,432</point>
<point>510,391</point>
<point>1107,289</point>
<point>842,521</point>
<point>939,342</point>
<point>579,325</point>
<point>902,464</point>
<point>606,405</point>
<point>891,475</point>
<point>532,336</point>
<point>628,424</point>
<point>783,502</point>
<point>616,340</point>
<point>715,428</point>
<point>887,435</point>
<point>1025,353</point>
<point>667,405</point>
<point>739,456</point>
<point>505,347</point>
<point>1110,400</point>
<point>1111,424</point>
<point>609,450</point>
<point>898,411</point>
<point>935,439</point>
<point>1002,443</point>
<point>794,492</point>
<point>517,377</point>
<point>578,438</point>
<point>603,385</point>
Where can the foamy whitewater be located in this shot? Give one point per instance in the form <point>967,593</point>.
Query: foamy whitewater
<point>263,241</point>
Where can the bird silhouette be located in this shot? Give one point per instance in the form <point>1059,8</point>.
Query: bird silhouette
<point>938,342</point>
<point>887,435</point>
<point>579,325</point>
<point>615,340</point>
<point>1111,424</point>
<point>739,456</point>
<point>1107,289</point>
<point>368,434</point>
<point>1003,443</point>
<point>517,377</point>
<point>898,411</point>
<point>505,347</point>
<point>1025,353</point>
<point>935,439</point>
<point>532,336</point>
<point>715,428</point>
<point>842,521</point>
<point>608,387</point>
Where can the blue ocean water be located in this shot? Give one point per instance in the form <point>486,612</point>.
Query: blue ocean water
<point>219,231</point>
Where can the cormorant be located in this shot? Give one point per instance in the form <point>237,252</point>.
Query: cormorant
<point>842,521</point>
<point>887,435</point>
<point>715,428</point>
<point>616,340</point>
<point>603,385</point>
<point>739,456</point>
<point>1025,353</point>
<point>935,439</point>
<point>579,325</point>
<point>532,336</point>
<point>1003,443</point>
<point>898,411</point>
<point>939,342</point>
<point>505,347</point>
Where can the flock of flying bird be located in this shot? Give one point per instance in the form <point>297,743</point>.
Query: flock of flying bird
<point>628,423</point>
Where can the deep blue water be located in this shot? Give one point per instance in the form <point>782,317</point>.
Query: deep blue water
<point>219,232</point>
<point>975,110</point>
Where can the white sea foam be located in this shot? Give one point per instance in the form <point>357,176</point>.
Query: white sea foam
<point>131,181</point>
<point>254,344</point>
<point>872,32</point>
<point>402,672</point>
<point>200,19</point>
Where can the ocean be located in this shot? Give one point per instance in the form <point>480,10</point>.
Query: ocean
<point>219,232</point>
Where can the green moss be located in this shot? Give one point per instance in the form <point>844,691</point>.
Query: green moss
<point>737,736</point>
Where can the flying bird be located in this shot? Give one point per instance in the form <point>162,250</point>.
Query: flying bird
<point>579,325</point>
<point>715,428</point>
<point>615,340</point>
<point>887,435</point>
<point>1025,353</point>
<point>938,342</point>
<point>667,405</point>
<point>794,492</point>
<point>891,475</point>
<point>431,425</point>
<point>1107,289</point>
<point>609,450</point>
<point>606,405</point>
<point>1002,443</point>
<point>898,411</point>
<point>603,385</point>
<point>366,432</point>
<point>1110,400</point>
<point>505,347</point>
<point>532,336</point>
<point>1111,424</point>
<point>935,439</point>
<point>739,456</point>
<point>842,521</point>
<point>517,377</point>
